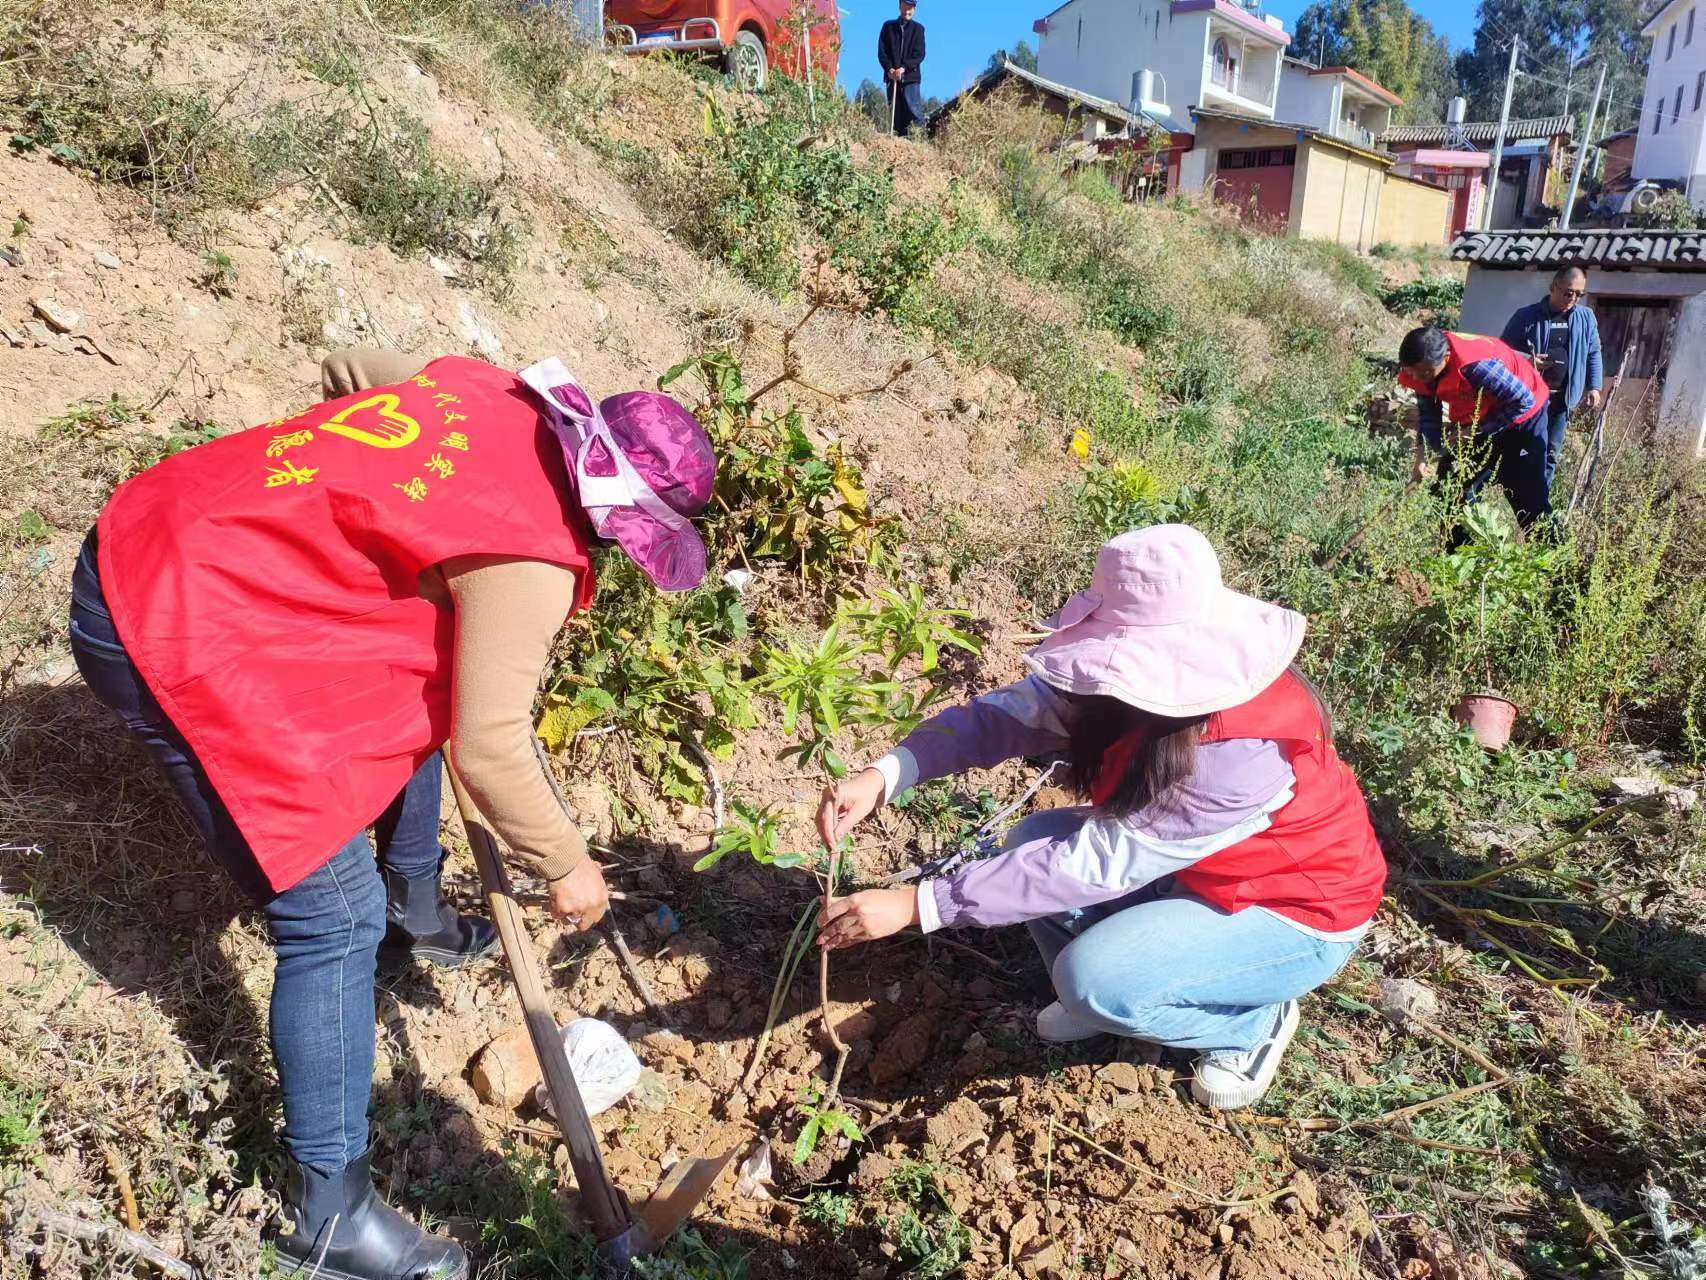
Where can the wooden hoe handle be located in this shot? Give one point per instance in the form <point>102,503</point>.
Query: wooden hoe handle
<point>607,1207</point>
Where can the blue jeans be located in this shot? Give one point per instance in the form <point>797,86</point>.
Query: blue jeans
<point>1170,968</point>
<point>1557,419</point>
<point>325,929</point>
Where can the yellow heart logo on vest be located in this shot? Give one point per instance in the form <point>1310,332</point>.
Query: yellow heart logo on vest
<point>393,430</point>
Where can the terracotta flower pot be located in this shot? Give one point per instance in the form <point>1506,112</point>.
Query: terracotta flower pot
<point>1489,717</point>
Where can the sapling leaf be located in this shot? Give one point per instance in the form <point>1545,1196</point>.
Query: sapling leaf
<point>844,1124</point>
<point>806,1143</point>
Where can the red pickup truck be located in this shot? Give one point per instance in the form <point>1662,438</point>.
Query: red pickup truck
<point>748,36</point>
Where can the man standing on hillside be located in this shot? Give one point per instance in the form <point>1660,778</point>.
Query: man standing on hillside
<point>900,51</point>
<point>1563,338</point>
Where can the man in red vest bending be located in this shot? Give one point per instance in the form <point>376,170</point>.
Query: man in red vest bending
<point>1495,400</point>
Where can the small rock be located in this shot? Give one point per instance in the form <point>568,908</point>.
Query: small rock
<point>668,1044</point>
<point>874,1169</point>
<point>1126,1251</point>
<point>506,1070</point>
<point>443,268</point>
<point>477,330</point>
<point>652,1092</point>
<point>1402,999</point>
<point>903,1049</point>
<point>981,988</point>
<point>59,317</point>
<point>1024,1231</point>
<point>104,259</point>
<point>1308,1195</point>
<point>957,1125</point>
<point>43,336</point>
<point>1000,1171</point>
<point>1040,1262</point>
<point>1646,785</point>
<point>855,1024</point>
<point>1124,1076</point>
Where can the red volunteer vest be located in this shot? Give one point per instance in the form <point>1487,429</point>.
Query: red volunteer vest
<point>266,585</point>
<point>1464,404</point>
<point>1318,863</point>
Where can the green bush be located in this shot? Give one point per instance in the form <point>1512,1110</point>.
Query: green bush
<point>192,157</point>
<point>1438,299</point>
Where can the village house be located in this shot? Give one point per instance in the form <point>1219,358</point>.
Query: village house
<point>1289,144</point>
<point>1534,174</point>
<point>1670,141</point>
<point>1648,289</point>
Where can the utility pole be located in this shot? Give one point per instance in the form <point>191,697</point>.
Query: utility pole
<point>1499,139</point>
<point>1605,119</point>
<point>1582,151</point>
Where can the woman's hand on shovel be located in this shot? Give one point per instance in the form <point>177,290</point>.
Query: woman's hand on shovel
<point>580,898</point>
<point>866,916</point>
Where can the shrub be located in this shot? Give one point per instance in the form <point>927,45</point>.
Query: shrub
<point>1672,211</point>
<point>1435,298</point>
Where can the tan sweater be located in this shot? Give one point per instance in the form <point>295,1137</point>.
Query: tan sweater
<point>508,613</point>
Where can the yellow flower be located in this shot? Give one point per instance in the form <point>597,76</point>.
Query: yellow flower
<point>1080,443</point>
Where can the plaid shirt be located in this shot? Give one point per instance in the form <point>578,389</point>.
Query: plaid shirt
<point>1502,396</point>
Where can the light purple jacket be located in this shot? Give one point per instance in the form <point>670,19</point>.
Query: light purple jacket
<point>1231,795</point>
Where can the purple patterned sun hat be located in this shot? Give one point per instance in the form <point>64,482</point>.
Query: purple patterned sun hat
<point>642,466</point>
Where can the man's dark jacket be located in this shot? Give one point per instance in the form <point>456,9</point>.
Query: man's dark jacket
<point>1529,330</point>
<point>901,44</point>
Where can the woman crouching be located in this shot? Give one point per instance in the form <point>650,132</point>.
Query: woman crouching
<point>1223,864</point>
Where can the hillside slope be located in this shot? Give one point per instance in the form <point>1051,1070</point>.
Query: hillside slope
<point>995,366</point>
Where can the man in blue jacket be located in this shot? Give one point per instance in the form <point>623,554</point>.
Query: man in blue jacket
<point>1563,337</point>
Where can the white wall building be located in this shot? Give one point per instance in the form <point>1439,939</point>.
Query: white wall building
<point>1200,53</point>
<point>1671,142</point>
<point>1339,101</point>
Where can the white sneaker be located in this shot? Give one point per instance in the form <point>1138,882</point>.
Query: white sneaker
<point>1059,1025</point>
<point>1229,1081</point>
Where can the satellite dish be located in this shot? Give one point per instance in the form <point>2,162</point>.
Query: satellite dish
<point>1644,199</point>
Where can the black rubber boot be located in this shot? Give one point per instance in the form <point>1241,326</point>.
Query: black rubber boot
<point>335,1227</point>
<point>419,922</point>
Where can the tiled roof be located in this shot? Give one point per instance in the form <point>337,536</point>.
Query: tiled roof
<point>1066,93</point>
<point>1480,131</point>
<point>1311,131</point>
<point>1607,250</point>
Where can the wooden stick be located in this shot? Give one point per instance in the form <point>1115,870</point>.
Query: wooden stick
<point>603,1204</point>
<point>121,1177</point>
<point>823,986</point>
<point>59,1222</point>
<point>1467,1050</point>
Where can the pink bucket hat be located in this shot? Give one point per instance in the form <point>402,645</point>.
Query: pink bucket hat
<point>642,465</point>
<point>1158,630</point>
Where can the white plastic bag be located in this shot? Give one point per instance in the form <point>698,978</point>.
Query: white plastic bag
<point>605,1067</point>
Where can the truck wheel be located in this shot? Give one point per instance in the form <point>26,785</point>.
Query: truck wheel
<point>746,63</point>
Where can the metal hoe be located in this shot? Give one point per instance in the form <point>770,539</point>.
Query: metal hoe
<point>623,1234</point>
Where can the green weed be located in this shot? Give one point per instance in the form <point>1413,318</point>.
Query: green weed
<point>755,832</point>
<point>902,624</point>
<point>930,1239</point>
<point>1437,299</point>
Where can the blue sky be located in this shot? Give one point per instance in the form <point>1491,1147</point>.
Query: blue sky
<point>963,33</point>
